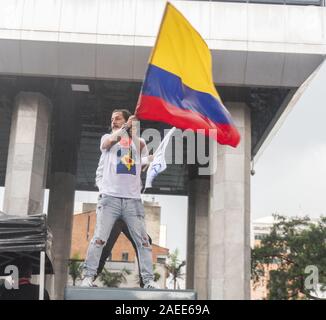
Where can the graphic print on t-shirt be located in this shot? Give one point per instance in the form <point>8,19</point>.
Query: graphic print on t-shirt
<point>126,162</point>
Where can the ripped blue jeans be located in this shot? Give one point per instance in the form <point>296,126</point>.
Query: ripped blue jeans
<point>109,209</point>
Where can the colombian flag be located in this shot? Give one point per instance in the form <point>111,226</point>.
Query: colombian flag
<point>178,88</point>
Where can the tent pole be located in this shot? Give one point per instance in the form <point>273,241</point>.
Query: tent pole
<point>42,272</point>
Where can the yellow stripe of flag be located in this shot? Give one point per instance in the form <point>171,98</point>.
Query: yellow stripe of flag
<point>181,50</point>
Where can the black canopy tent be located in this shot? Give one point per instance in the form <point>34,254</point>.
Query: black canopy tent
<point>26,236</point>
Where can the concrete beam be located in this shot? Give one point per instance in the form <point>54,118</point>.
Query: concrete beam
<point>251,44</point>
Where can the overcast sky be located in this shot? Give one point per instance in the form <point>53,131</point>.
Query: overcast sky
<point>290,174</point>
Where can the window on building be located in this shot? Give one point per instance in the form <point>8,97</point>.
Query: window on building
<point>87,228</point>
<point>161,260</point>
<point>125,256</point>
<point>260,236</point>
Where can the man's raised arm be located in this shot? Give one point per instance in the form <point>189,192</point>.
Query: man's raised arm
<point>117,135</point>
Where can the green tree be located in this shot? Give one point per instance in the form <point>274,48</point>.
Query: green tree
<point>113,279</point>
<point>292,244</point>
<point>75,268</point>
<point>174,266</point>
<point>157,275</point>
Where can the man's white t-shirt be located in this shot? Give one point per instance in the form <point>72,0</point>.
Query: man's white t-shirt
<point>119,169</point>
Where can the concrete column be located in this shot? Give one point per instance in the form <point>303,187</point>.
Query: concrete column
<point>153,220</point>
<point>5,124</point>
<point>62,182</point>
<point>27,155</point>
<point>229,215</point>
<point>197,237</point>
<point>61,208</point>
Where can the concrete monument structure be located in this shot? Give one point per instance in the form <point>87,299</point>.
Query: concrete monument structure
<point>66,64</point>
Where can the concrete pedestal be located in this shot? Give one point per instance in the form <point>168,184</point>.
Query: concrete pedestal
<point>79,293</point>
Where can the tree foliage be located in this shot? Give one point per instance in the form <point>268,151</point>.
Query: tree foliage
<point>75,268</point>
<point>113,279</point>
<point>292,245</point>
<point>174,266</point>
<point>157,275</point>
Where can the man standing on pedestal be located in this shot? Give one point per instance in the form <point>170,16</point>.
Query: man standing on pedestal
<point>123,155</point>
